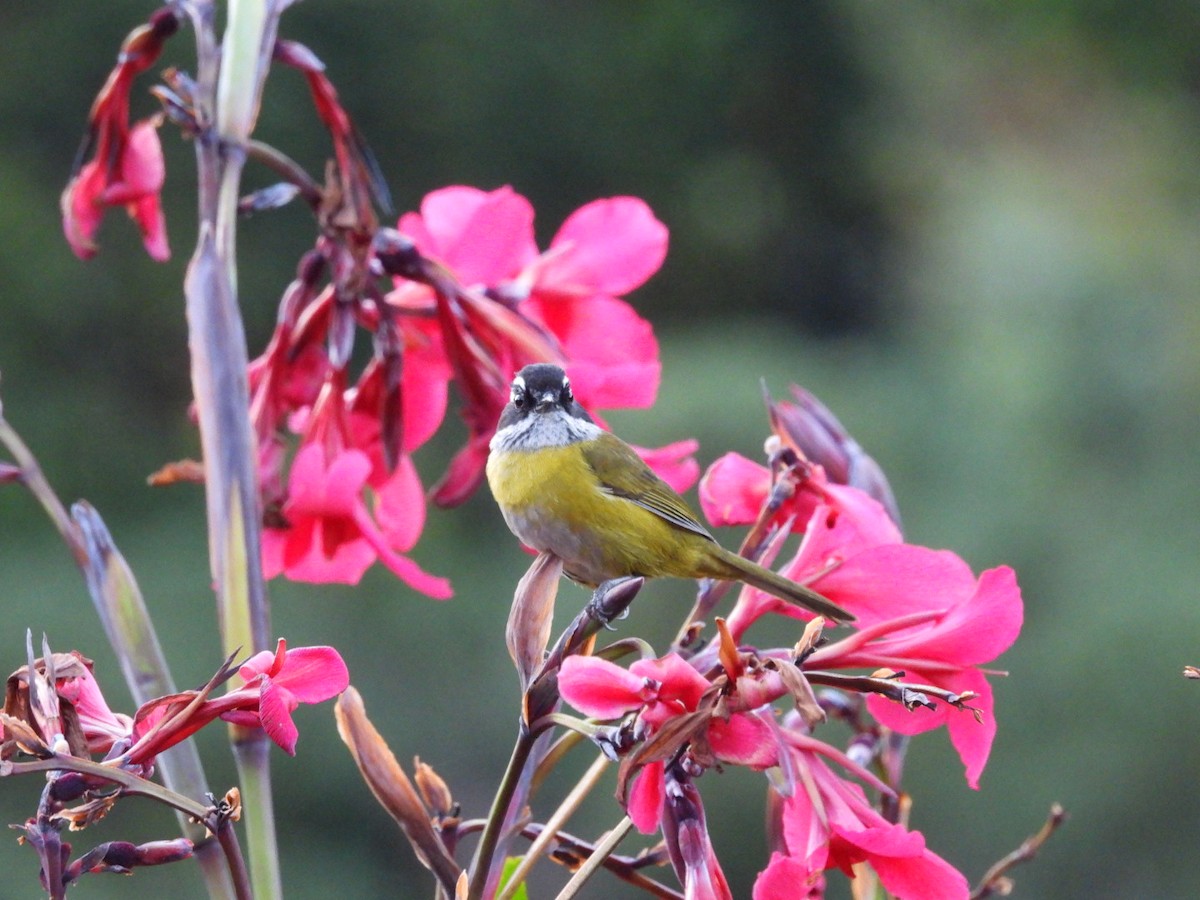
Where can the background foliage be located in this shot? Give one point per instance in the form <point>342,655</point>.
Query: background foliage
<point>970,228</point>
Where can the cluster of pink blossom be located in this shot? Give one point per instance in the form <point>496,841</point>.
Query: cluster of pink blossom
<point>61,699</point>
<point>481,302</point>
<point>924,626</point>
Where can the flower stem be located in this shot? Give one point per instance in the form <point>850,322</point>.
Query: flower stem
<point>489,840</point>
<point>231,79</point>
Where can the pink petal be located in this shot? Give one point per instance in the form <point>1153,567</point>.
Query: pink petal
<point>972,739</point>
<point>313,674</point>
<point>924,877</point>
<point>415,577</point>
<point>275,714</point>
<point>261,663</point>
<point>318,487</point>
<point>607,247</point>
<point>891,580</point>
<point>400,509</point>
<point>82,210</point>
<point>744,741</point>
<point>784,878</point>
<point>733,490</point>
<point>464,474</point>
<point>483,237</point>
<point>424,384</point>
<point>679,682</point>
<point>883,840</point>
<point>673,463</point>
<point>597,687</point>
<point>142,170</point>
<point>646,796</point>
<point>148,214</point>
<point>980,627</point>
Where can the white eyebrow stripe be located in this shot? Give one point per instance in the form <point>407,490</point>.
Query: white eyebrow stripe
<point>518,383</point>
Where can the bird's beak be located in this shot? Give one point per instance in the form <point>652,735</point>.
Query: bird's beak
<point>547,401</point>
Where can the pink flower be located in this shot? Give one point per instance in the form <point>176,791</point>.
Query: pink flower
<point>275,684</point>
<point>127,166</point>
<point>133,181</point>
<point>285,679</point>
<point>501,305</point>
<point>660,690</point>
<point>827,822</point>
<point>947,624</point>
<point>101,726</point>
<point>919,611</point>
<point>330,534</point>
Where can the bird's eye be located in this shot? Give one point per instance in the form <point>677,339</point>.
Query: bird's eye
<point>518,398</point>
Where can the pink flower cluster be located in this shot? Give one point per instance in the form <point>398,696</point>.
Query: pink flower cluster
<point>925,625</point>
<point>273,685</point>
<point>472,301</point>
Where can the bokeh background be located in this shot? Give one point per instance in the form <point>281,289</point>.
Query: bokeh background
<point>970,228</point>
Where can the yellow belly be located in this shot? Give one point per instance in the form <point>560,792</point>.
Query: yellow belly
<point>552,501</point>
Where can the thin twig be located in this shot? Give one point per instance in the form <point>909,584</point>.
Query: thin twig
<point>995,880</point>
<point>553,824</point>
<point>596,860</point>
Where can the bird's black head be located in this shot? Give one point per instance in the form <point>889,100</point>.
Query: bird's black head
<point>541,388</point>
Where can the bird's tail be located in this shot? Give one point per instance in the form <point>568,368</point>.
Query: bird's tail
<point>738,568</point>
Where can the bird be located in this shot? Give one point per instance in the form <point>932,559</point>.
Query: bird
<point>568,487</point>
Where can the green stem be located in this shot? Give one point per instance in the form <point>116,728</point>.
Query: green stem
<point>481,864</point>
<point>254,774</point>
<point>231,81</point>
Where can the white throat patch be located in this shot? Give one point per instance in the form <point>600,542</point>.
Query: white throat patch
<point>538,430</point>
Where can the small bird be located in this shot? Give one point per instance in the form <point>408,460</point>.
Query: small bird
<point>568,487</point>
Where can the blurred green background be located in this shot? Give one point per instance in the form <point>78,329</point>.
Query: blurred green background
<point>970,228</point>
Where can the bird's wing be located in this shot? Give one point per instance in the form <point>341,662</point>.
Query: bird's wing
<point>622,473</point>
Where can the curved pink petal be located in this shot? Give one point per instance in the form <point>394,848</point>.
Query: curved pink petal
<point>673,463</point>
<point>425,386</point>
<point>400,508</point>
<point>891,580</point>
<point>597,687</point>
<point>82,209</point>
<point>313,674</point>
<point>606,247</point>
<point>320,487</point>
<point>977,629</point>
<point>733,490</point>
<point>484,237</point>
<point>147,213</point>
<point>275,714</point>
<point>785,878</point>
<point>972,739</point>
<point>646,796</point>
<point>678,681</point>
<point>744,741</point>
<point>142,170</point>
<point>464,474</point>
<point>922,877</point>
